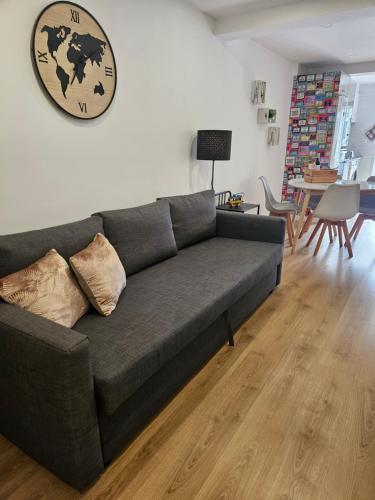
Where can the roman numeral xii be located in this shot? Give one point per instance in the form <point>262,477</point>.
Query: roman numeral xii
<point>74,16</point>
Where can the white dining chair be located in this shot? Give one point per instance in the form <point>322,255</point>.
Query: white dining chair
<point>279,208</point>
<point>338,204</point>
<point>366,211</point>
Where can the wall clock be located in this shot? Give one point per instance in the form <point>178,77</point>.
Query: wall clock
<point>74,60</point>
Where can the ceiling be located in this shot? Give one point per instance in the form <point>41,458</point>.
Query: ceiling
<point>364,79</point>
<point>344,34</point>
<point>344,41</point>
<point>219,9</point>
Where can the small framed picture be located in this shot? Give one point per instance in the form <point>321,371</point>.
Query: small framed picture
<point>258,92</point>
<point>273,136</point>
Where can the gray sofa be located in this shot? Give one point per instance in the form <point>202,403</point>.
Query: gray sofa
<point>72,399</point>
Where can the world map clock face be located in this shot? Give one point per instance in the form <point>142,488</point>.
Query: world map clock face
<point>74,60</point>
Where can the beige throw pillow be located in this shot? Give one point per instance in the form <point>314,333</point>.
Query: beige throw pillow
<point>47,288</point>
<point>100,274</point>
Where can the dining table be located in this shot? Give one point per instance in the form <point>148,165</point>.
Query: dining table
<point>308,189</point>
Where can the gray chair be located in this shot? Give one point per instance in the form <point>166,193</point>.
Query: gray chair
<point>338,204</point>
<point>280,209</point>
<point>366,211</point>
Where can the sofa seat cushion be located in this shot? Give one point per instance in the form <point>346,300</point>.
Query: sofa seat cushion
<point>164,307</point>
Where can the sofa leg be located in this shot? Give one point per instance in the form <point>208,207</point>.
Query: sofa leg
<point>229,329</point>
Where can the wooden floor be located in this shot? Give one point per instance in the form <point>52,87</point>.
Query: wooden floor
<point>289,413</point>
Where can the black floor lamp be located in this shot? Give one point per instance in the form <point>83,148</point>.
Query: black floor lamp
<point>214,145</point>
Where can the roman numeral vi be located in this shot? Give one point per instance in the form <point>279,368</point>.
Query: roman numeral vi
<point>82,107</point>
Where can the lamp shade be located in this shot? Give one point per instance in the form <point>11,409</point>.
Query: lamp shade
<point>214,145</point>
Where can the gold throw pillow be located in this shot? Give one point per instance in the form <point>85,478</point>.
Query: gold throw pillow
<point>47,288</point>
<point>100,273</point>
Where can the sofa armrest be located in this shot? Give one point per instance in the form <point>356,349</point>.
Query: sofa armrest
<point>250,227</point>
<point>47,403</point>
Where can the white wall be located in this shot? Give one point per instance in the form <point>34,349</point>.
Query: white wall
<point>365,120</point>
<point>174,77</point>
<point>262,64</point>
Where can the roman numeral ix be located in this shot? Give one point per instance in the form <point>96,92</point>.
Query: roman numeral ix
<point>82,107</point>
<point>74,16</point>
<point>108,71</point>
<point>42,57</point>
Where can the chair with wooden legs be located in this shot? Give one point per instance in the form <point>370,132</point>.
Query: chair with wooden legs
<point>366,211</point>
<point>313,203</point>
<point>338,204</point>
<point>280,209</point>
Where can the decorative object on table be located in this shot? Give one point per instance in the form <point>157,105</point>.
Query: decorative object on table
<point>273,138</point>
<point>280,209</point>
<point>311,131</point>
<point>214,145</point>
<point>266,115</point>
<point>326,176</point>
<point>235,199</point>
<point>371,134</point>
<point>67,36</point>
<point>338,204</point>
<point>258,92</point>
<point>222,204</point>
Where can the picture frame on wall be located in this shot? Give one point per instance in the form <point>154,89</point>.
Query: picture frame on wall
<point>258,92</point>
<point>273,136</point>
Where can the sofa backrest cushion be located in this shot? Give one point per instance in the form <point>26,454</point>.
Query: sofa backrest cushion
<point>193,217</point>
<point>142,236</point>
<point>18,251</point>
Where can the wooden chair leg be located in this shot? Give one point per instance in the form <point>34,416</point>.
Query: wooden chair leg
<point>307,224</point>
<point>339,230</point>
<point>316,229</point>
<point>334,230</point>
<point>317,248</point>
<point>361,220</point>
<point>330,233</point>
<point>355,226</point>
<point>289,227</point>
<point>347,238</point>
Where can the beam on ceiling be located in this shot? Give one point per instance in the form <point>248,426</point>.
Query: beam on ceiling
<point>304,13</point>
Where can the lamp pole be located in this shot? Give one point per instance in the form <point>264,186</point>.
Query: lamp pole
<point>213,174</point>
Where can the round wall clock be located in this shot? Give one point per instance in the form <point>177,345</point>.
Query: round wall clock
<point>74,60</point>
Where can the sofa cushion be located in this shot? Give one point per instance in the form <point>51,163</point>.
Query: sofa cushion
<point>100,273</point>
<point>165,307</point>
<point>193,217</point>
<point>141,236</point>
<point>18,251</point>
<point>46,288</point>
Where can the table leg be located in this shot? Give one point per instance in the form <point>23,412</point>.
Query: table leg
<point>300,220</point>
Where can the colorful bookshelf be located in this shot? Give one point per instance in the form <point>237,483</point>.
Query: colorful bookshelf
<point>312,122</point>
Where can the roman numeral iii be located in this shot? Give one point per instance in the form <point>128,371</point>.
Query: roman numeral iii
<point>82,107</point>
<point>42,57</point>
<point>108,71</point>
<point>74,16</point>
